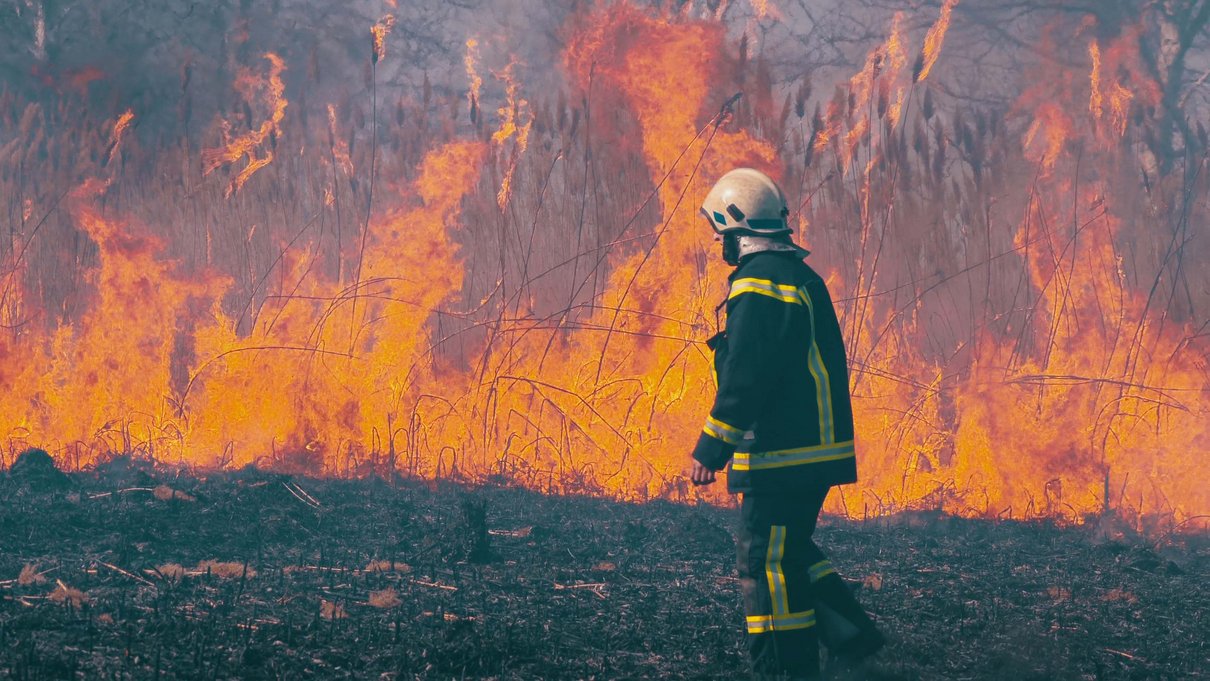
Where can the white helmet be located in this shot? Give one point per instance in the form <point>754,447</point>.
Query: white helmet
<point>746,202</point>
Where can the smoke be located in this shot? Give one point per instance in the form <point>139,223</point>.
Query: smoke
<point>174,63</point>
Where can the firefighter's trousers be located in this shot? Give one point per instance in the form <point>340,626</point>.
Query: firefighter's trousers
<point>793,597</point>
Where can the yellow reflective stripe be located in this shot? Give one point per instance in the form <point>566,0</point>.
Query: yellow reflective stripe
<point>820,570</point>
<point>801,456</point>
<point>717,434</point>
<point>819,371</point>
<point>722,431</point>
<point>730,429</point>
<point>760,624</point>
<point>765,287</point>
<point>777,580</point>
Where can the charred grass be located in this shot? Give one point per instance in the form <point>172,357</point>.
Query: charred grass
<point>260,575</point>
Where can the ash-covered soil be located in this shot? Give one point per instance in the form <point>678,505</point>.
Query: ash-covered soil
<point>127,572</point>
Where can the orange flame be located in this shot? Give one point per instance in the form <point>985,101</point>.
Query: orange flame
<point>882,66</point>
<point>236,391</point>
<point>1120,58</point>
<point>764,9</point>
<point>896,59</point>
<point>107,380</point>
<point>1054,122</point>
<point>378,33</point>
<point>1096,102</point>
<point>934,39</point>
<point>514,109</point>
<point>472,74</point>
<point>119,131</point>
<point>340,148</point>
<point>272,91</point>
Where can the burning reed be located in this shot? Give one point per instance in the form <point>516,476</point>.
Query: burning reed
<point>389,280</point>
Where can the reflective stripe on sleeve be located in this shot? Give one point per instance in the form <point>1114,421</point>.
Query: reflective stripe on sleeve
<point>722,431</point>
<point>759,624</point>
<point>800,456</point>
<point>765,287</point>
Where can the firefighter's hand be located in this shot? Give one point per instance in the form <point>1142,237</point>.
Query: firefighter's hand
<point>700,475</point>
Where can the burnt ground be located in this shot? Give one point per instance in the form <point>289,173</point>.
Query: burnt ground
<point>105,575</point>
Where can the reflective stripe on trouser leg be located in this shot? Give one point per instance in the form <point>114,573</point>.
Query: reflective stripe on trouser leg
<point>820,570</point>
<point>773,571</point>
<point>777,598</point>
<point>782,618</point>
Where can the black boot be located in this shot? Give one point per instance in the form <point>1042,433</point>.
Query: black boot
<point>847,631</point>
<point>844,623</point>
<point>848,660</point>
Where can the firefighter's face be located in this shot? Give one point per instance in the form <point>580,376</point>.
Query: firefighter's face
<point>730,246</point>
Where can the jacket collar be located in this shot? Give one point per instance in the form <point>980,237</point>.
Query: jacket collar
<point>795,251</point>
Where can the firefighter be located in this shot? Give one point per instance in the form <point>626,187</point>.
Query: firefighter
<point>783,419</point>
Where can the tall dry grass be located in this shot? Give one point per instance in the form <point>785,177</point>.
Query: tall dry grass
<point>929,229</point>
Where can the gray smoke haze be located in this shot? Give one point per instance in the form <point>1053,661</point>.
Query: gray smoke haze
<point>173,61</point>
<point>174,64</point>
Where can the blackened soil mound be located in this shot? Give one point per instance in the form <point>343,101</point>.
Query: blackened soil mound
<point>35,469</point>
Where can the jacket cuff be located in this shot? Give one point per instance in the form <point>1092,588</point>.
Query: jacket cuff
<point>712,452</point>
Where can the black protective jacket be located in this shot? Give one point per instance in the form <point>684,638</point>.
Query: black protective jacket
<point>782,415</point>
